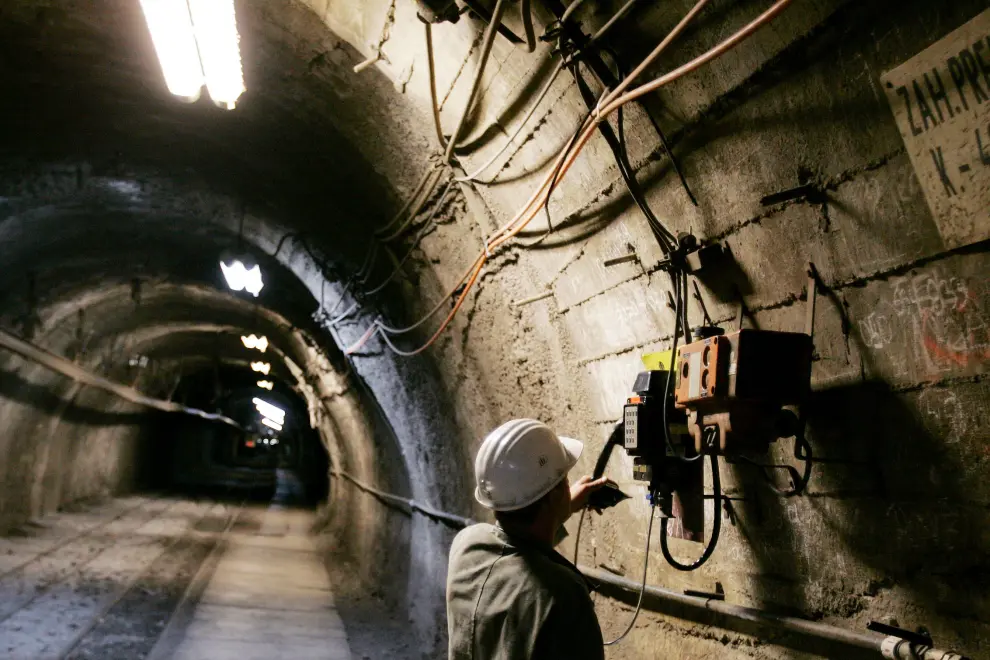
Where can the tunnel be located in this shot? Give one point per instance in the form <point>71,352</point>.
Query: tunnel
<point>463,213</point>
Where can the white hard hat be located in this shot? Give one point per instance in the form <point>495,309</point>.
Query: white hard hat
<point>520,462</point>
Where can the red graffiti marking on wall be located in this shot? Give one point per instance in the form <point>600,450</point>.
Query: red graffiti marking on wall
<point>974,352</point>
<point>939,322</point>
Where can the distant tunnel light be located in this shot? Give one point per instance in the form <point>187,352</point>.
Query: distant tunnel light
<point>269,410</point>
<point>242,278</point>
<point>255,343</point>
<point>273,414</point>
<point>197,42</point>
<point>271,424</point>
<point>172,33</point>
<point>266,384</point>
<point>261,367</point>
<point>219,49</point>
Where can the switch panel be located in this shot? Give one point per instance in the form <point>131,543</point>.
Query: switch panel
<point>702,370</point>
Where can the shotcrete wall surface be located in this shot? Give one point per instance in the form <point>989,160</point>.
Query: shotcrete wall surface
<point>893,526</point>
<point>61,445</point>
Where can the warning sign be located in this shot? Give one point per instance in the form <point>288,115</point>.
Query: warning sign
<point>941,100</point>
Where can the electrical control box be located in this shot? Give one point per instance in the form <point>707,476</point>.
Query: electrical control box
<point>752,365</point>
<point>643,416</point>
<point>643,421</point>
<point>676,484</point>
<point>739,383</point>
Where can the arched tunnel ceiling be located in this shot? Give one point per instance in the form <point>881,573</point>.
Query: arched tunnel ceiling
<point>89,79</point>
<point>116,200</point>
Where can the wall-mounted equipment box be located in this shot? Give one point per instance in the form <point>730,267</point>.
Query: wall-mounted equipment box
<point>752,365</point>
<point>740,383</point>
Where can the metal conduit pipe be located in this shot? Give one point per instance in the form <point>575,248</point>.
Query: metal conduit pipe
<point>710,610</point>
<point>405,503</point>
<point>69,369</point>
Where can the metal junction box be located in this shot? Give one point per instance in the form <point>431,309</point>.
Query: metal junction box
<point>740,383</point>
<point>750,365</point>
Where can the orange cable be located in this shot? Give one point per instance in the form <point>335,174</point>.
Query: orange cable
<point>570,153</point>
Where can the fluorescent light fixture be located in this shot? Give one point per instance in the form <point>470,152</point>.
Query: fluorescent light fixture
<point>255,343</point>
<point>270,424</point>
<point>261,367</point>
<point>172,33</point>
<point>269,410</point>
<point>197,42</point>
<point>266,384</point>
<point>242,278</point>
<point>215,25</point>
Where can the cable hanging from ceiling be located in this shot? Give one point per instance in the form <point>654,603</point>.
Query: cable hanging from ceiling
<point>566,59</point>
<point>609,103</point>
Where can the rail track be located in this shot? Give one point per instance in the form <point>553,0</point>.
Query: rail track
<point>109,591</point>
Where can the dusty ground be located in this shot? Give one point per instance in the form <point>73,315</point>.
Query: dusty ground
<point>107,580</point>
<point>101,581</point>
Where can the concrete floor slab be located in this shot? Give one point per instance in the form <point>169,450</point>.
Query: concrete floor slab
<point>268,596</point>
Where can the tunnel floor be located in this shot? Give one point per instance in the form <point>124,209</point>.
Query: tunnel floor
<point>158,578</point>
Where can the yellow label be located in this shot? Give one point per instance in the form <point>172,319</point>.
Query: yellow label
<point>659,361</point>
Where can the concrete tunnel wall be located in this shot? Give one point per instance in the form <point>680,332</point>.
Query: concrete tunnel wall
<point>894,524</point>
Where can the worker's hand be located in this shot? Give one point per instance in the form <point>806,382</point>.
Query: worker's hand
<point>582,489</point>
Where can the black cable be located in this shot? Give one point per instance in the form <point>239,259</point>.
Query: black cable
<point>716,524</point>
<point>665,239</point>
<point>642,587</point>
<point>800,480</point>
<point>659,131</point>
<point>673,365</point>
<point>685,297</point>
<point>614,440</point>
<point>679,318</point>
<point>632,182</point>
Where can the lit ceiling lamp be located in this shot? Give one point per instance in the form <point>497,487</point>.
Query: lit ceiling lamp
<point>175,43</point>
<point>242,274</point>
<point>266,384</point>
<point>216,33</point>
<point>197,42</point>
<point>271,424</point>
<point>261,367</point>
<point>255,343</point>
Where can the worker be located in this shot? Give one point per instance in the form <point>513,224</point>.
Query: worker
<point>510,595</point>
